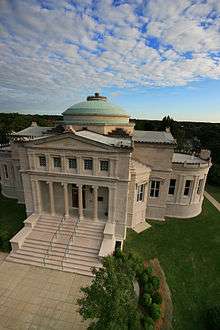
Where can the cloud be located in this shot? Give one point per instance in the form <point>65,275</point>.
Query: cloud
<point>54,52</point>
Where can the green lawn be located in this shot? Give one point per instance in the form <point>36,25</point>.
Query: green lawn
<point>12,216</point>
<point>214,191</point>
<point>189,252</point>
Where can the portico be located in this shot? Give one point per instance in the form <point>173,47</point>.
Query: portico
<point>85,201</point>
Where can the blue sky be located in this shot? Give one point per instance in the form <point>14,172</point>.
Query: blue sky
<point>152,57</point>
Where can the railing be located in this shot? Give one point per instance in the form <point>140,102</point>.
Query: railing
<point>51,241</point>
<point>68,243</point>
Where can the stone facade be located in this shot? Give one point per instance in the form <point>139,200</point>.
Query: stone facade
<point>97,178</point>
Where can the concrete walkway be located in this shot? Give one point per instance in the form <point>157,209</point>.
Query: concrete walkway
<point>212,200</point>
<point>38,298</point>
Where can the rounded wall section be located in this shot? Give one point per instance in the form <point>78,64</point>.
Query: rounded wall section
<point>187,200</point>
<point>183,211</point>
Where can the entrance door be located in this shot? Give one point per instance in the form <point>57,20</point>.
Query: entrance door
<point>75,198</point>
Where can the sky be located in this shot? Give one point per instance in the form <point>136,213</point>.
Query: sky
<point>151,57</point>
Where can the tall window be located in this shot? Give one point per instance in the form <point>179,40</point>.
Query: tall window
<point>140,193</point>
<point>199,189</point>
<point>57,162</point>
<point>187,187</point>
<point>172,186</point>
<point>42,161</point>
<point>154,188</point>
<point>104,165</point>
<point>72,163</point>
<point>88,164</point>
<point>6,171</point>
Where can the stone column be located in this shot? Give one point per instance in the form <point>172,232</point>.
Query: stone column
<point>203,187</point>
<point>95,203</point>
<point>95,164</point>
<point>33,186</point>
<point>80,197</point>
<point>180,188</point>
<point>38,196</point>
<point>66,199</point>
<point>111,204</point>
<point>52,207</point>
<point>194,189</point>
<point>49,158</point>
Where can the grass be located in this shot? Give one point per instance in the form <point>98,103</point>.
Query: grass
<point>12,216</point>
<point>188,251</point>
<point>214,191</point>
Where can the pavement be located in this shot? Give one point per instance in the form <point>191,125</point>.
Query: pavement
<point>212,200</point>
<point>39,298</point>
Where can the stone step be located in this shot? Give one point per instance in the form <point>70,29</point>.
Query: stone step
<point>71,258</point>
<point>55,223</point>
<point>53,230</point>
<point>86,266</point>
<point>13,258</point>
<point>77,254</point>
<point>92,225</point>
<point>89,249</point>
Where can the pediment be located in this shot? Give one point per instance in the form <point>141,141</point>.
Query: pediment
<point>69,142</point>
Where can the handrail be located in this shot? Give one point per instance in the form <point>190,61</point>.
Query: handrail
<point>68,243</point>
<point>51,241</point>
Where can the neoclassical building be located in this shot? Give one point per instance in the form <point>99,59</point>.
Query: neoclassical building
<point>87,180</point>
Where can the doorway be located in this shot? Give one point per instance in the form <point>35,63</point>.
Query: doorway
<point>75,196</point>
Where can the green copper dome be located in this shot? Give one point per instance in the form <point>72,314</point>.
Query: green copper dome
<point>95,106</point>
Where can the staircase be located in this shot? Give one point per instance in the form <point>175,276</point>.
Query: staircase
<point>62,244</point>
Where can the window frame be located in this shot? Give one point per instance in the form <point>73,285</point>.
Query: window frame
<point>172,187</point>
<point>187,188</point>
<point>86,162</point>
<point>74,160</point>
<point>140,192</point>
<point>104,162</point>
<point>200,185</point>
<point>57,158</point>
<point>155,188</point>
<point>5,170</point>
<point>40,159</point>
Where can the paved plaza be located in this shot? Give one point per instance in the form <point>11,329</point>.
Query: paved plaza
<point>37,298</point>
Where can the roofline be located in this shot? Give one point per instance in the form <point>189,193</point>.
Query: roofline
<point>92,114</point>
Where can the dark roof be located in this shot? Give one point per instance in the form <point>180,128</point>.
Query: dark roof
<point>153,137</point>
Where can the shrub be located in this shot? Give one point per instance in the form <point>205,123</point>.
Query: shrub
<point>4,240</point>
<point>148,323</point>
<point>155,282</point>
<point>149,270</point>
<point>147,300</point>
<point>154,311</point>
<point>213,318</point>
<point>156,298</point>
<point>144,278</point>
<point>148,288</point>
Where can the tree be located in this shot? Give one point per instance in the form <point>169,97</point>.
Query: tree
<point>111,300</point>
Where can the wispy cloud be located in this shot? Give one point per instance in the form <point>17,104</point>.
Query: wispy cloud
<point>53,52</point>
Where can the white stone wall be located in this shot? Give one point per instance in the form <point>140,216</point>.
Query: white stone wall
<point>180,206</point>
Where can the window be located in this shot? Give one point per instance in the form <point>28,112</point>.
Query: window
<point>199,189</point>
<point>72,163</point>
<point>187,187</point>
<point>88,164</point>
<point>172,186</point>
<point>42,161</point>
<point>154,188</point>
<point>6,171</point>
<point>140,193</point>
<point>57,162</point>
<point>104,165</point>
